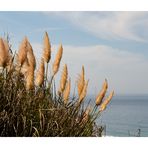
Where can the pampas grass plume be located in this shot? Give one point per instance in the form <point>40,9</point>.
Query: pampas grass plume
<point>22,53</point>
<point>40,74</point>
<point>106,102</point>
<point>56,63</point>
<point>63,79</point>
<point>102,93</point>
<point>24,68</point>
<point>84,92</point>
<point>47,48</point>
<point>66,92</point>
<point>30,78</point>
<point>9,57</point>
<point>81,82</point>
<point>3,54</point>
<point>30,55</point>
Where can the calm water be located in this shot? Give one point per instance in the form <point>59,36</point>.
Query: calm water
<point>125,115</point>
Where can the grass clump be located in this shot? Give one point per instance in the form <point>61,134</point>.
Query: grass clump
<point>31,106</point>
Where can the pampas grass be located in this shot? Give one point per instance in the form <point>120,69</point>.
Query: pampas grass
<point>9,58</point>
<point>84,92</point>
<point>24,67</point>
<point>106,101</point>
<point>22,53</point>
<point>47,48</point>
<point>63,79</point>
<point>30,78</point>
<point>46,52</point>
<point>56,63</point>
<point>3,53</point>
<point>102,93</point>
<point>30,55</point>
<point>40,74</point>
<point>81,82</point>
<point>66,92</point>
<point>38,110</point>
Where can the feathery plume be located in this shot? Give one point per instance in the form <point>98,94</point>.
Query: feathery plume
<point>40,74</point>
<point>24,67</point>
<point>30,78</point>
<point>106,102</point>
<point>3,54</point>
<point>29,65</point>
<point>84,92</point>
<point>22,53</point>
<point>102,93</point>
<point>9,58</point>
<point>56,63</point>
<point>10,65</point>
<point>63,79</point>
<point>66,92</point>
<point>6,45</point>
<point>47,48</point>
<point>30,55</point>
<point>81,81</point>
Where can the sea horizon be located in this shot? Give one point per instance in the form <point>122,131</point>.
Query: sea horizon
<point>126,116</point>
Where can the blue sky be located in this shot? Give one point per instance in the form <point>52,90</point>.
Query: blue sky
<point>112,45</point>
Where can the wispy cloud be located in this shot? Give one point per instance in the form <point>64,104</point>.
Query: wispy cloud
<point>125,68</point>
<point>110,25</point>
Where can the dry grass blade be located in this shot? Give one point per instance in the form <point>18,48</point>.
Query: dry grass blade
<point>102,93</point>
<point>106,102</point>
<point>81,82</point>
<point>56,63</point>
<point>40,74</point>
<point>86,115</point>
<point>66,92</point>
<point>47,48</point>
<point>63,79</point>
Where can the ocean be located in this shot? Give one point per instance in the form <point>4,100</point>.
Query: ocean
<point>126,116</point>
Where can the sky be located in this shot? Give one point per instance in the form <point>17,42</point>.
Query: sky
<point>112,45</point>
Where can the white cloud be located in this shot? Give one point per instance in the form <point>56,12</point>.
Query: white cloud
<point>110,25</point>
<point>125,71</point>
